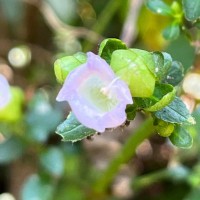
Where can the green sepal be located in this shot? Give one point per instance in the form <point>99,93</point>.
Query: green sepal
<point>162,96</point>
<point>72,130</point>
<point>137,69</point>
<point>181,138</point>
<point>175,112</point>
<point>108,46</point>
<point>164,129</point>
<point>63,66</point>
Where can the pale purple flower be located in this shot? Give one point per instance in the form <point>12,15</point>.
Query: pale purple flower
<point>96,96</point>
<point>5,94</point>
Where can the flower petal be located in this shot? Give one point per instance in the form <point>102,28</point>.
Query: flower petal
<point>5,94</point>
<point>96,96</point>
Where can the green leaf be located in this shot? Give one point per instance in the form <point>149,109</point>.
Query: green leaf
<point>72,130</point>
<point>36,188</point>
<point>52,161</point>
<point>10,150</point>
<point>163,63</point>
<point>162,96</point>
<point>63,66</point>
<point>175,112</point>
<point>109,45</point>
<point>172,32</point>
<point>136,68</point>
<point>167,60</point>
<point>175,74</point>
<point>158,6</point>
<point>191,9</point>
<point>181,138</point>
<point>131,111</point>
<point>159,63</point>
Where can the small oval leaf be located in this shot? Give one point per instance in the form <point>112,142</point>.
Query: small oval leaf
<point>159,7</point>
<point>37,188</point>
<point>181,138</point>
<point>52,161</point>
<point>175,74</point>
<point>171,32</point>
<point>72,130</point>
<point>175,112</point>
<point>191,9</point>
<point>108,46</point>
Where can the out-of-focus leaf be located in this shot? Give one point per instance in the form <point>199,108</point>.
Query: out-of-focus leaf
<point>153,28</point>
<point>36,188</point>
<point>64,9</point>
<point>179,173</point>
<point>182,51</point>
<point>42,118</point>
<point>191,9</point>
<point>109,45</point>
<point>10,150</point>
<point>197,24</point>
<point>158,6</point>
<point>13,10</point>
<point>52,161</point>
<point>13,111</point>
<point>72,130</point>
<point>71,191</point>
<point>175,74</point>
<point>175,112</point>
<point>181,138</point>
<point>162,96</point>
<point>63,66</point>
<point>172,32</point>
<point>193,195</point>
<point>136,68</point>
<point>196,115</point>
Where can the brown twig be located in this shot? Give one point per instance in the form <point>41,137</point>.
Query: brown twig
<point>57,25</point>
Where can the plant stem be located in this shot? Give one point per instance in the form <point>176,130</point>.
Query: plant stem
<point>128,150</point>
<point>148,179</point>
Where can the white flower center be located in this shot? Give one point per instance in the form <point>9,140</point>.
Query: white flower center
<point>99,94</point>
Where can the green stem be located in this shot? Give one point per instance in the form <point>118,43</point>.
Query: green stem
<point>128,150</point>
<point>103,20</point>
